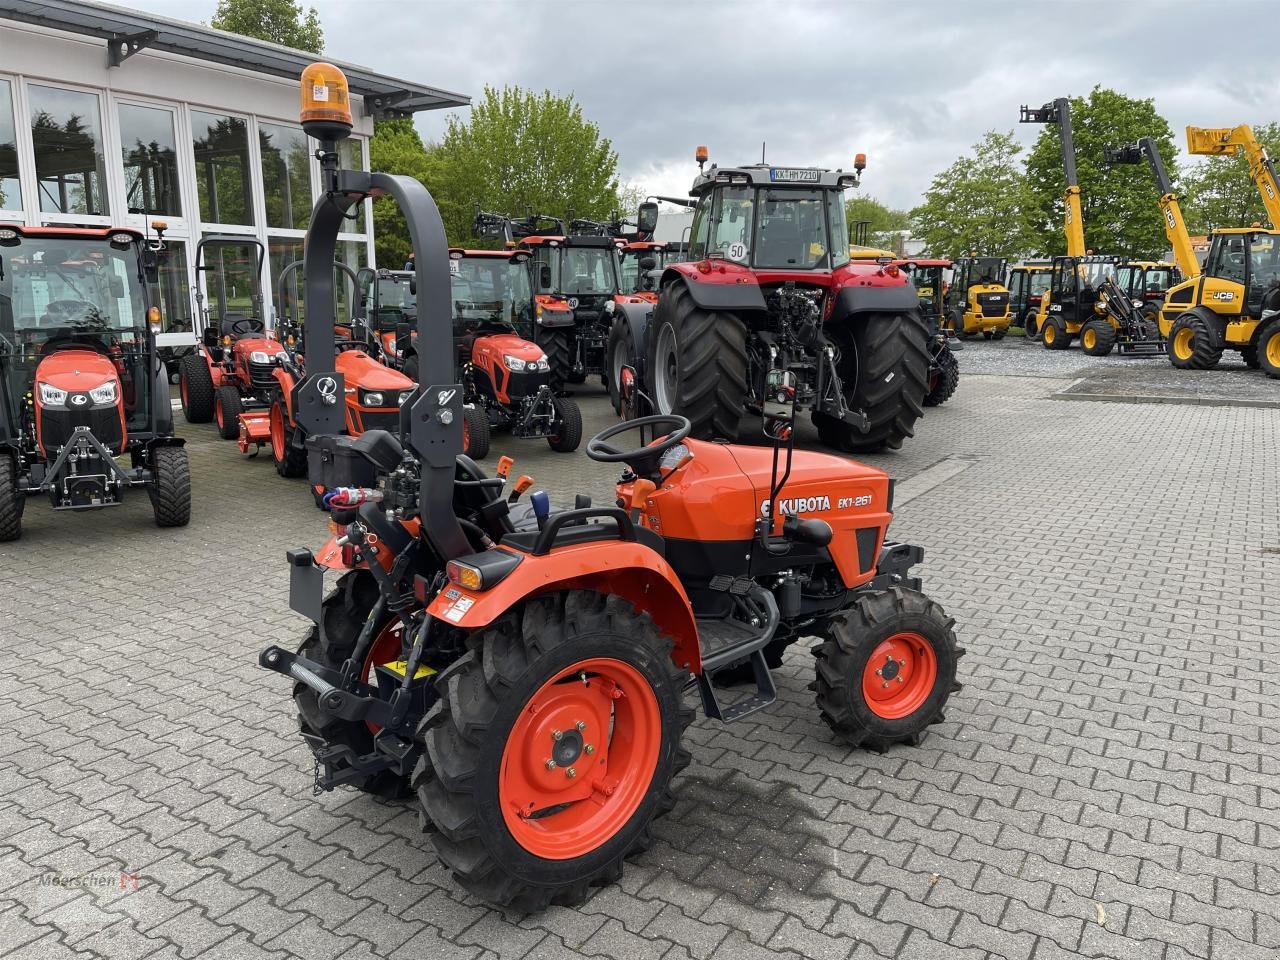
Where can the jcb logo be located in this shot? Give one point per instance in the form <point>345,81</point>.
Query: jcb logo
<point>1224,295</point>
<point>1168,218</point>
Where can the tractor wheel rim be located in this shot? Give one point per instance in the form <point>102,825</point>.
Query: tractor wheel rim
<point>667,376</point>
<point>1090,339</point>
<point>899,676</point>
<point>1182,343</point>
<point>217,412</point>
<point>385,648</point>
<point>466,435</point>
<point>182,391</point>
<point>277,433</point>
<point>1048,334</point>
<point>579,759</point>
<point>1273,350</point>
<point>616,363</point>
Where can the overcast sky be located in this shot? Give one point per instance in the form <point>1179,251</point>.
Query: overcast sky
<point>911,84</point>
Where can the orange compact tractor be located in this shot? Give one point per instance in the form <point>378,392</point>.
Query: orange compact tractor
<point>522,672</point>
<point>81,382</point>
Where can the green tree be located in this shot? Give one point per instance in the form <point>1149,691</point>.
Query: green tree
<point>882,221</point>
<point>1221,193</point>
<point>278,21</point>
<point>1119,206</point>
<point>396,148</point>
<point>521,151</point>
<point>979,203</point>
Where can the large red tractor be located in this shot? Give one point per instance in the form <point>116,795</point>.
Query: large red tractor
<point>523,672</point>
<point>81,381</point>
<point>769,293</point>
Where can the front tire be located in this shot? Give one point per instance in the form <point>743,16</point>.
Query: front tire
<point>886,668</point>
<point>11,500</point>
<point>170,488</point>
<point>568,426</point>
<point>195,387</point>
<point>1098,338</point>
<point>696,364</point>
<point>513,824</point>
<point>343,614</point>
<point>227,410</point>
<point>944,377</point>
<point>1054,335</point>
<point>1192,345</point>
<point>289,460</point>
<point>1267,351</point>
<point>475,432</point>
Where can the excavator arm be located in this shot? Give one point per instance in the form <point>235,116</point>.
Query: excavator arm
<point>1059,112</point>
<point>1229,141</point>
<point>1175,227</point>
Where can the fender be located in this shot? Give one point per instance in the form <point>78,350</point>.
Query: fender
<point>859,299</point>
<point>217,372</point>
<point>287,388</point>
<point>637,317</point>
<point>717,284</point>
<point>552,311</point>
<point>1216,323</point>
<point>630,570</point>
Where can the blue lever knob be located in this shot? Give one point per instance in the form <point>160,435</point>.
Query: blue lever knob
<point>541,502</point>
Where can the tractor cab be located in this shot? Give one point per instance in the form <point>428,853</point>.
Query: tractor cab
<point>80,379</point>
<point>1148,282</point>
<point>491,292</point>
<point>977,300</point>
<point>233,313</point>
<point>640,265</point>
<point>1073,296</point>
<point>929,279</point>
<point>1027,284</point>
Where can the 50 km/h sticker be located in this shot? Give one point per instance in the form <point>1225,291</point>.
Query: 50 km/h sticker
<point>737,251</point>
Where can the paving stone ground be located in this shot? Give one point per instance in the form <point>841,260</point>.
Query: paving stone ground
<point>1104,786</point>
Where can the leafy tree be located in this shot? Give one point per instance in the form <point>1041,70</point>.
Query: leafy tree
<point>278,21</point>
<point>395,148</point>
<point>1221,193</point>
<point>1119,206</point>
<point>882,222</point>
<point>979,203</point>
<point>521,151</point>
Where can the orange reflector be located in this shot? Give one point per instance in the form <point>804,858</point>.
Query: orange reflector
<point>464,575</point>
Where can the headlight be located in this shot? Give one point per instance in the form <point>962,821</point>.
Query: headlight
<point>404,397</point>
<point>283,356</point>
<point>543,365</point>
<point>513,363</point>
<point>373,398</point>
<point>104,394</point>
<point>52,395</point>
<point>259,356</point>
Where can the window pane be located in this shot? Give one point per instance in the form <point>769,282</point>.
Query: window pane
<point>230,279</point>
<point>172,291</point>
<point>222,168</point>
<point>71,173</point>
<point>10,189</point>
<point>286,176</point>
<point>351,156</point>
<point>150,153</point>
<point>290,307</point>
<point>353,255</point>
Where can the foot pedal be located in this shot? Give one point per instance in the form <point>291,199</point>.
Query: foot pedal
<point>725,641</point>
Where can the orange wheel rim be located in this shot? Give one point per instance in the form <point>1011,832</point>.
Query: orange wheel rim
<point>182,389</point>
<point>899,676</point>
<point>217,412</point>
<point>386,648</point>
<point>580,758</point>
<point>466,436</point>
<point>277,433</point>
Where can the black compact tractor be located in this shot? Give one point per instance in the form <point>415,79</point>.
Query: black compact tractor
<point>82,385</point>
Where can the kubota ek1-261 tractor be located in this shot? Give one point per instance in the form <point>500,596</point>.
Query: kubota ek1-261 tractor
<point>522,672</point>
<point>769,290</point>
<point>81,382</point>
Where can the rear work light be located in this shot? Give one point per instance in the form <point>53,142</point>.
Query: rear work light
<point>480,571</point>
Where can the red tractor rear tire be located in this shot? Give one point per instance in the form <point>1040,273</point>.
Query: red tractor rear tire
<point>620,351</point>
<point>515,826</point>
<point>886,668</point>
<point>696,364</point>
<point>944,377</point>
<point>195,387</point>
<point>344,613</point>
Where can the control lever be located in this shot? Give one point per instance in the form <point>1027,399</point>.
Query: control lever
<point>522,484</point>
<point>505,464</point>
<point>541,502</point>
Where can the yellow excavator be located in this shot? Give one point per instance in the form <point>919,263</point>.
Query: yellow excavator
<point>1072,298</point>
<point>1230,141</point>
<point>1234,301</point>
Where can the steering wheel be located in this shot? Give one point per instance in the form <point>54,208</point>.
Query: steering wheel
<point>73,313</point>
<point>245,326</point>
<point>642,459</point>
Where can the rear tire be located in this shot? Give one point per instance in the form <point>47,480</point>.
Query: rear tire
<point>696,364</point>
<point>1098,338</point>
<point>620,351</point>
<point>12,501</point>
<point>475,432</point>
<point>1054,336</point>
<point>1267,351</point>
<point>170,488</point>
<point>569,426</point>
<point>944,377</point>
<point>343,614</point>
<point>890,380</point>
<point>860,653</point>
<point>956,319</point>
<point>227,408</point>
<point>999,334</point>
<point>1029,329</point>
<point>483,750</point>
<point>1192,345</point>
<point>557,344</point>
<point>289,460</point>
<point>195,387</point>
